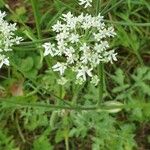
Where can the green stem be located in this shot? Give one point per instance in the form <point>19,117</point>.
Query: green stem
<point>9,72</point>
<point>54,115</point>
<point>139,59</point>
<point>36,16</point>
<point>19,19</point>
<point>13,104</point>
<point>20,132</point>
<point>101,84</point>
<point>37,41</point>
<point>115,5</point>
<point>123,23</point>
<point>67,143</point>
<point>53,119</point>
<point>66,130</point>
<point>98,6</point>
<point>61,91</point>
<point>37,21</point>
<point>76,93</point>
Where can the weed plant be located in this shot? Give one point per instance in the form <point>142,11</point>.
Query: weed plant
<point>57,98</point>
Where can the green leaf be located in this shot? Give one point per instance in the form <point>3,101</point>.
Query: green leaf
<point>6,142</point>
<point>120,88</point>
<point>37,62</point>
<point>59,136</point>
<point>119,77</point>
<point>42,143</point>
<point>27,64</point>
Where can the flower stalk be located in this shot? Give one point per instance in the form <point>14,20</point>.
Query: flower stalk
<point>101,83</point>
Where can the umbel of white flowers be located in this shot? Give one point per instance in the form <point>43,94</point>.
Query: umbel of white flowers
<point>86,3</point>
<point>7,39</point>
<point>82,42</point>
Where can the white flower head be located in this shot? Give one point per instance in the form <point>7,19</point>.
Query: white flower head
<point>2,15</point>
<point>86,3</point>
<point>82,42</point>
<point>112,56</point>
<point>57,27</point>
<point>4,60</point>
<point>49,49</point>
<point>83,72</point>
<point>7,39</point>
<point>74,38</point>
<point>60,67</point>
<point>67,16</point>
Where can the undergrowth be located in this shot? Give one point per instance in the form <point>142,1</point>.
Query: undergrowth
<point>37,113</point>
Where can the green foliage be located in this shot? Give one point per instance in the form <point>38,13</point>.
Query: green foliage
<point>139,84</point>
<point>134,92</point>
<point>119,78</point>
<point>6,142</point>
<point>27,121</point>
<point>142,80</point>
<point>42,142</point>
<point>104,128</point>
<point>27,64</point>
<point>34,118</point>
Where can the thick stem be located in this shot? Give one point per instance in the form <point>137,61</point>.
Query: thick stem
<point>101,83</point>
<point>67,143</point>
<point>66,129</point>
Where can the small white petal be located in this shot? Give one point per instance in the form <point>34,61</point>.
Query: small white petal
<point>60,67</point>
<point>87,3</point>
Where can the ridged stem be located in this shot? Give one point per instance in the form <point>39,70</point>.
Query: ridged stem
<point>101,83</point>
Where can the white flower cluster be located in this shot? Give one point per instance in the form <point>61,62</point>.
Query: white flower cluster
<point>87,3</point>
<point>7,38</point>
<point>81,44</point>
